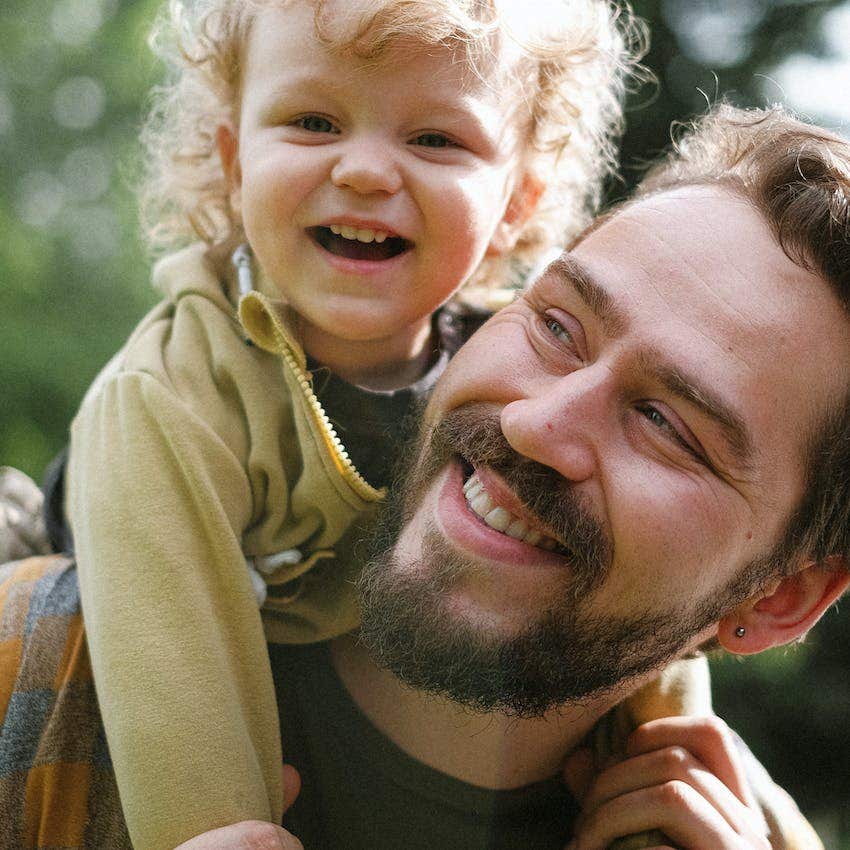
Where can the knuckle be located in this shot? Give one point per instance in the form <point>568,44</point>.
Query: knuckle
<point>673,759</point>
<point>673,793</point>
<point>717,729</point>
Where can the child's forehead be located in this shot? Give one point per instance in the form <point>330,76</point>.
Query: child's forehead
<point>350,33</point>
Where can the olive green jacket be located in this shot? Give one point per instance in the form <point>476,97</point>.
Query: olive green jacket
<point>202,444</point>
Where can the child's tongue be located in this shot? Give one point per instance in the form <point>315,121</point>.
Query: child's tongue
<point>353,249</point>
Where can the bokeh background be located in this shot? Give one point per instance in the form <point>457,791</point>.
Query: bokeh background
<point>74,76</point>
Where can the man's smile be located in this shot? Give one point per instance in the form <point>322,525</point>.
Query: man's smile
<point>459,516</point>
<point>488,497</point>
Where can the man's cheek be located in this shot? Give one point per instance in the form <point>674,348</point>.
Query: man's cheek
<point>491,367</point>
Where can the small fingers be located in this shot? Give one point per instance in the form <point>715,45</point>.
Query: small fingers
<point>672,763</point>
<point>709,739</point>
<point>674,807</point>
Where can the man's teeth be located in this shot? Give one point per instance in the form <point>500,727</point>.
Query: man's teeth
<point>502,520</point>
<point>361,234</point>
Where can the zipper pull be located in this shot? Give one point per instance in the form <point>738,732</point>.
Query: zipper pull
<point>241,260</point>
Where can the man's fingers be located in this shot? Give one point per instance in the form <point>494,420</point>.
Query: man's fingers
<point>291,785</point>
<point>707,738</point>
<point>247,835</point>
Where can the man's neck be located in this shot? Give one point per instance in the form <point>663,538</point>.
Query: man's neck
<point>488,750</point>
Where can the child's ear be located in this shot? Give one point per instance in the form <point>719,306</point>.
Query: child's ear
<point>787,611</point>
<point>522,203</point>
<point>227,142</point>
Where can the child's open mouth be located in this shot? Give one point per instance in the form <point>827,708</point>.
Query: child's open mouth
<point>356,243</point>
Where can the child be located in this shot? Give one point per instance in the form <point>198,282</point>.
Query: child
<point>359,162</point>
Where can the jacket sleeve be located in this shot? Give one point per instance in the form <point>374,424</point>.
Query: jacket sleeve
<point>158,504</point>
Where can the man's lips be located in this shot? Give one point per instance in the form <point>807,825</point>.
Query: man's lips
<point>470,532</point>
<point>486,486</point>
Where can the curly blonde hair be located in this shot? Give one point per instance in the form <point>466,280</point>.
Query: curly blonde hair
<point>576,58</point>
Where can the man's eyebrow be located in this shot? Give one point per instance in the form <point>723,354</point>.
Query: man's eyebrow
<point>611,315</point>
<point>694,392</point>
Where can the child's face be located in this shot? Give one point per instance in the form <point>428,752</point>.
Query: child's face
<point>415,158</point>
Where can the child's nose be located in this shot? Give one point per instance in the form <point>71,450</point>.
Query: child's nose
<point>367,168</point>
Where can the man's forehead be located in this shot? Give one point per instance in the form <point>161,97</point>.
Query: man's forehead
<point>706,249</point>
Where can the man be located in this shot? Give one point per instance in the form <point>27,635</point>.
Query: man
<point>646,453</point>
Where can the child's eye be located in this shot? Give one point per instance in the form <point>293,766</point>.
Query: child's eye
<point>315,124</point>
<point>433,140</point>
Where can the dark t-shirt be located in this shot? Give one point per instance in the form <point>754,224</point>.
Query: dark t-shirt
<point>361,792</point>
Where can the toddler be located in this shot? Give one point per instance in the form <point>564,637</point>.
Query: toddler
<point>335,171</point>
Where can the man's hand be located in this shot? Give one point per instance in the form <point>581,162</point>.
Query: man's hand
<point>253,834</point>
<point>682,776</point>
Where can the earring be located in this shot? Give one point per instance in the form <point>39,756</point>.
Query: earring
<point>740,631</point>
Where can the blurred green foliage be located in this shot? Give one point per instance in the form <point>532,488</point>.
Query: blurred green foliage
<point>74,279</point>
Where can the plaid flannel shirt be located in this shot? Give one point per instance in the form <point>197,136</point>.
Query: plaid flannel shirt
<point>57,789</point>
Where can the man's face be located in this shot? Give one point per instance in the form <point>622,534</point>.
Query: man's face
<point>660,383</point>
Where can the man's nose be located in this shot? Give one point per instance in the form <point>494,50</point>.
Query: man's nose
<point>564,422</point>
<point>367,165</point>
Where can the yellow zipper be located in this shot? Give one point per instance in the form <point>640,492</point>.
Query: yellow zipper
<point>332,442</point>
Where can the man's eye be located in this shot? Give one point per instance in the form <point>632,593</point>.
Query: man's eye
<point>660,421</point>
<point>559,331</point>
<point>315,124</point>
<point>433,140</point>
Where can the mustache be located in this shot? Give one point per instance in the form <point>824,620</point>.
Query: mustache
<point>473,431</point>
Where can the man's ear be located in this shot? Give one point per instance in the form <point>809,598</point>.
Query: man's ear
<point>522,203</point>
<point>227,142</point>
<point>787,611</point>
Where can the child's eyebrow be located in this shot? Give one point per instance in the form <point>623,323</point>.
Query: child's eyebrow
<point>296,84</point>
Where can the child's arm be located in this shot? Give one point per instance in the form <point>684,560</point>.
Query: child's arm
<point>158,503</point>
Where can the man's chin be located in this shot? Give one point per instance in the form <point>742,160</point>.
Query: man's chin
<point>419,623</point>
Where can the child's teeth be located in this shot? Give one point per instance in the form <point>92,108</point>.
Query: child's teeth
<point>361,234</point>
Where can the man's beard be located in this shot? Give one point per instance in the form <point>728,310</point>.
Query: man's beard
<point>566,654</point>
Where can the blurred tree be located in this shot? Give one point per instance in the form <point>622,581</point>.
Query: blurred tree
<point>705,49</point>
<point>74,282</point>
<point>73,80</point>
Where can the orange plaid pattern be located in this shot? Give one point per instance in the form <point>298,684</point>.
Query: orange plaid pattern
<point>57,789</point>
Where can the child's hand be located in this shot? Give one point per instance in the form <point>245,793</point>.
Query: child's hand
<point>683,777</point>
<point>253,834</point>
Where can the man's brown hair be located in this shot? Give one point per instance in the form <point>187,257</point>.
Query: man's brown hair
<point>798,176</point>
